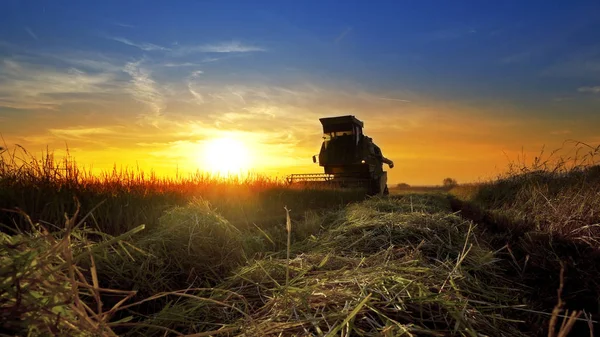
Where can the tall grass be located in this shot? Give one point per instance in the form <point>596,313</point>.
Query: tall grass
<point>45,187</point>
<point>546,213</point>
<point>559,195</point>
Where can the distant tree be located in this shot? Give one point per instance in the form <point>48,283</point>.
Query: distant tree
<point>403,185</point>
<point>449,182</point>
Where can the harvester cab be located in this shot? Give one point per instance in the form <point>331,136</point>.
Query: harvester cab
<point>348,157</point>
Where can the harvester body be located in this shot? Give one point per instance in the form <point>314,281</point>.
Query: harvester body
<point>348,157</point>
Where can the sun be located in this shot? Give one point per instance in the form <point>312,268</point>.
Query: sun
<point>226,156</point>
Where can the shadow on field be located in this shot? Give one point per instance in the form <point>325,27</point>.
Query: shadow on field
<point>535,258</point>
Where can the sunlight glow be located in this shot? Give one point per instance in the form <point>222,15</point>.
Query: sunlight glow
<point>225,156</point>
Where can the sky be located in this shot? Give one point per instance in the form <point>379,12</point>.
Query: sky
<point>445,88</point>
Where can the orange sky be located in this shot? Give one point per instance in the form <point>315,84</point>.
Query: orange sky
<point>427,139</point>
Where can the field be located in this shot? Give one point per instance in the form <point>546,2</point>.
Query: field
<point>134,254</point>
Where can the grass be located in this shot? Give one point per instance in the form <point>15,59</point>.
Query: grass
<point>419,189</point>
<point>546,196</point>
<point>44,290</point>
<point>368,271</point>
<point>547,214</point>
<point>135,255</point>
<point>46,189</point>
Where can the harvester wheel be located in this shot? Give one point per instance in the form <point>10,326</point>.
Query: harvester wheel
<point>378,187</point>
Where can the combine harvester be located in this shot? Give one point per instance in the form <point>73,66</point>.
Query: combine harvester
<point>350,159</point>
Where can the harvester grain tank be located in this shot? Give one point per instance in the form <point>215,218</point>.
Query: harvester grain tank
<point>348,157</point>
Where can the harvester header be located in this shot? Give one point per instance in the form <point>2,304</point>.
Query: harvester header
<point>348,157</point>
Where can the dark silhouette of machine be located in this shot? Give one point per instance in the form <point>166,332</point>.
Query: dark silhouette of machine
<point>349,158</point>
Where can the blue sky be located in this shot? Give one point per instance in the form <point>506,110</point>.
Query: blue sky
<point>486,77</point>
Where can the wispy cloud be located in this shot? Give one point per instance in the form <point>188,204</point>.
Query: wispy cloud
<point>81,132</point>
<point>393,99</point>
<point>124,25</point>
<point>33,86</point>
<point>141,45</point>
<point>223,47</point>
<point>97,64</point>
<point>229,47</point>
<point>593,90</point>
<point>517,58</point>
<point>144,89</point>
<point>343,35</point>
<point>210,59</point>
<point>198,98</point>
<point>190,64</point>
<point>31,33</point>
<point>583,64</point>
<point>182,50</point>
<point>183,64</point>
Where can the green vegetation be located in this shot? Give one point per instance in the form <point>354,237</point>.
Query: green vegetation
<point>547,216</point>
<point>134,255</point>
<point>547,196</point>
<point>562,203</point>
